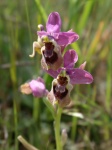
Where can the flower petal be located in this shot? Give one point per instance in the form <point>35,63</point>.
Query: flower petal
<point>54,22</point>
<point>25,88</point>
<point>65,101</point>
<point>82,66</point>
<point>70,58</point>
<point>39,79</point>
<point>52,73</point>
<point>55,73</point>
<point>79,76</point>
<point>66,38</point>
<point>38,88</point>
<point>62,39</point>
<point>41,33</point>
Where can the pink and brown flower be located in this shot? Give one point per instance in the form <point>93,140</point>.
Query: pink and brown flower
<point>60,91</point>
<point>35,87</point>
<point>53,28</point>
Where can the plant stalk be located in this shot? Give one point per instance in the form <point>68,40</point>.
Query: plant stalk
<point>57,129</point>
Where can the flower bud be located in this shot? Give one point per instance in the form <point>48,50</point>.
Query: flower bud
<point>36,87</point>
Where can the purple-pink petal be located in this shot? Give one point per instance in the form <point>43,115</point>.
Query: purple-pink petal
<point>70,37</point>
<point>39,79</point>
<point>62,39</point>
<point>82,66</point>
<point>79,76</point>
<point>53,73</point>
<point>53,27</point>
<point>42,33</point>
<point>70,58</point>
<point>53,24</point>
<point>38,88</point>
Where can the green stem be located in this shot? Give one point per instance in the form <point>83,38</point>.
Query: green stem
<point>36,109</point>
<point>57,129</point>
<point>74,128</point>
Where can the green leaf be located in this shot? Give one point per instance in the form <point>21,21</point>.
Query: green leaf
<point>75,114</point>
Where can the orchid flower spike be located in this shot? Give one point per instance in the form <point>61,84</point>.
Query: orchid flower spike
<point>51,54</point>
<point>53,28</point>
<point>60,91</point>
<point>35,87</point>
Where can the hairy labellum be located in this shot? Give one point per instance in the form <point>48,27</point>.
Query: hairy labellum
<point>59,94</point>
<point>49,47</point>
<point>62,80</point>
<point>60,91</point>
<point>51,55</point>
<point>52,59</point>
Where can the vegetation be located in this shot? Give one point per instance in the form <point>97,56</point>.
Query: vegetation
<point>90,127</point>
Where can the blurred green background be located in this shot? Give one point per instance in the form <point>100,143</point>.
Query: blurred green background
<point>28,116</point>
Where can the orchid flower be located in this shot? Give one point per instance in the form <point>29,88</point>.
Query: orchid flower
<point>60,91</point>
<point>76,75</point>
<point>35,87</point>
<point>66,77</point>
<point>51,43</point>
<point>53,28</point>
<point>51,54</point>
